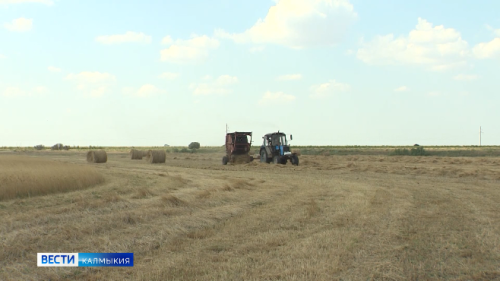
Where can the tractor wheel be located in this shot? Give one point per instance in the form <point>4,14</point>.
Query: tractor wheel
<point>263,157</point>
<point>276,160</point>
<point>295,160</point>
<point>224,160</point>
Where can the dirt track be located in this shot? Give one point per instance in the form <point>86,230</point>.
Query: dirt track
<point>331,218</point>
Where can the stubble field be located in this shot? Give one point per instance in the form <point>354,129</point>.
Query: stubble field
<point>334,217</point>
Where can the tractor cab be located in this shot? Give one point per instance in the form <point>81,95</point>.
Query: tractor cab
<point>275,148</point>
<point>277,142</point>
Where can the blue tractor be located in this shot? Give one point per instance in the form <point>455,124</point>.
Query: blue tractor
<point>275,149</point>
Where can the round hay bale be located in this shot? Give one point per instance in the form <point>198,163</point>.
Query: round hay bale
<point>97,156</point>
<point>137,154</point>
<point>156,156</point>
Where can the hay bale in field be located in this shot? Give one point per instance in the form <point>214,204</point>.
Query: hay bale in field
<point>137,154</point>
<point>156,156</point>
<point>97,156</point>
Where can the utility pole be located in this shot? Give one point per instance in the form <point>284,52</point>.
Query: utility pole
<point>480,133</point>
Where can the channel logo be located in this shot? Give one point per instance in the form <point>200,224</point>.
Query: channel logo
<point>57,259</point>
<point>85,259</point>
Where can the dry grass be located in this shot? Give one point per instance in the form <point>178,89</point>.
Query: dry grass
<point>312,208</point>
<point>203,194</point>
<point>22,176</point>
<point>241,159</point>
<point>143,192</point>
<point>381,218</point>
<point>240,184</point>
<point>171,200</point>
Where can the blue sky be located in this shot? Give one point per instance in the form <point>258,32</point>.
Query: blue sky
<point>331,72</point>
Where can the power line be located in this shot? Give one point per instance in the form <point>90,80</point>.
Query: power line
<point>480,134</point>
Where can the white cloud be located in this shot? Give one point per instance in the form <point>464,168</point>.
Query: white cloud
<point>98,92</point>
<point>401,89</point>
<point>145,91</point>
<point>438,48</point>
<point>46,2</point>
<point>496,32</point>
<point>275,98</point>
<point>329,88</point>
<point>488,50</point>
<point>128,37</point>
<point>225,80</point>
<point>129,91</point>
<point>91,77</point>
<point>169,75</point>
<point>434,94</point>
<point>93,84</point>
<point>299,24</point>
<point>194,49</point>
<point>53,69</point>
<point>448,66</point>
<point>219,86</point>
<point>289,77</point>
<point>40,90</point>
<point>19,25</point>
<point>11,92</point>
<point>167,40</point>
<point>256,49</point>
<point>208,89</point>
<point>2,57</point>
<point>465,77</point>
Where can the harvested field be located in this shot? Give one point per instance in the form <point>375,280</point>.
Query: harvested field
<point>339,217</point>
<point>22,176</point>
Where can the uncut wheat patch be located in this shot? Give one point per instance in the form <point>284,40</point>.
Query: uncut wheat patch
<point>22,176</point>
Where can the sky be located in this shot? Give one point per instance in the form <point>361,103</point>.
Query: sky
<point>330,72</point>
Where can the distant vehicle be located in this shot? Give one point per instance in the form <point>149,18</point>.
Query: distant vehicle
<point>166,145</point>
<point>416,144</point>
<point>39,147</point>
<point>275,149</point>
